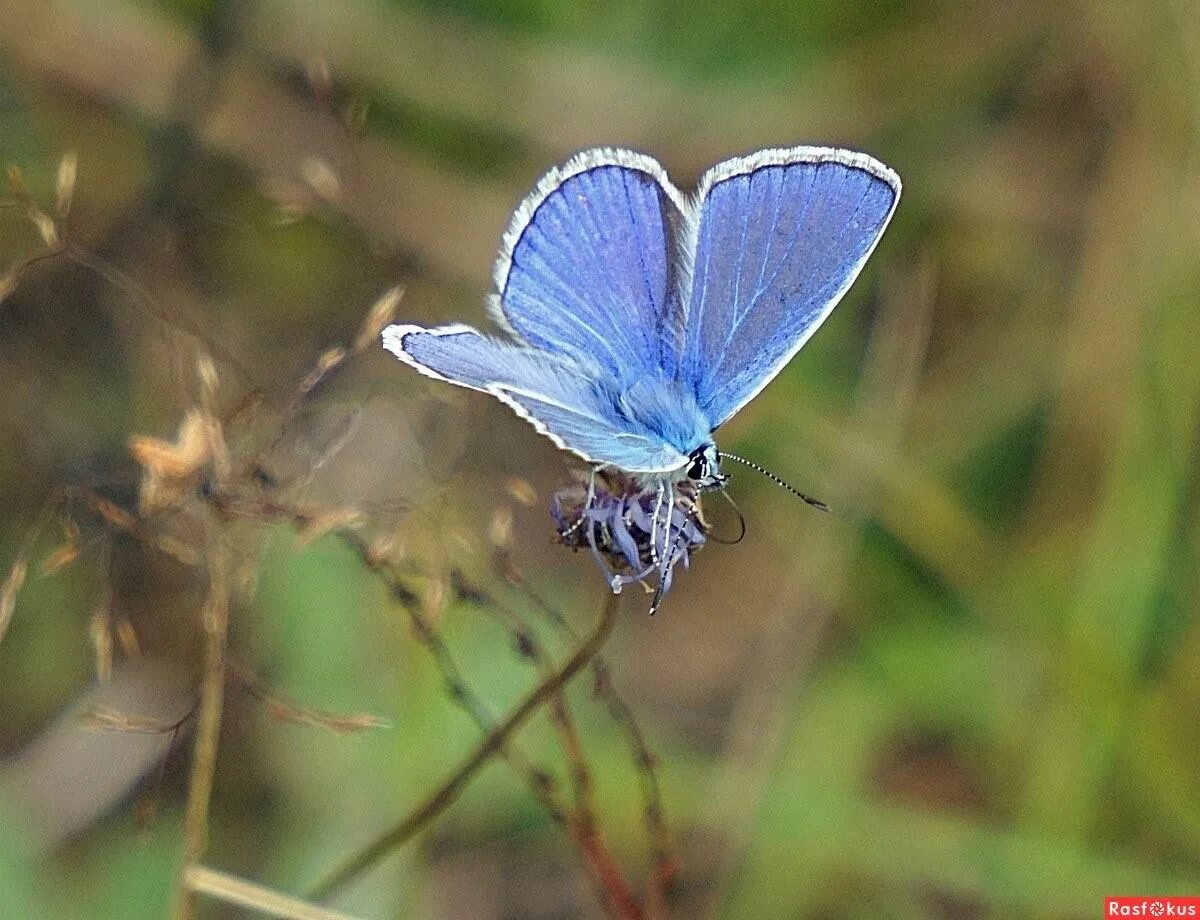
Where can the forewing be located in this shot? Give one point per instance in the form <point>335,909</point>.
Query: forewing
<point>563,399</point>
<point>780,236</point>
<point>586,268</point>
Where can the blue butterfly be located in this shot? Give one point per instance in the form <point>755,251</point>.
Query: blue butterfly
<point>640,320</point>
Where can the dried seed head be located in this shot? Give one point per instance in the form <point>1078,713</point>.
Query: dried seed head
<point>326,522</point>
<point>330,358</point>
<point>500,529</point>
<point>9,591</point>
<point>180,459</point>
<point>291,199</point>
<point>115,515</point>
<point>45,226</point>
<point>521,490</point>
<point>127,638</point>
<point>102,643</point>
<point>171,468</point>
<point>8,284</point>
<point>209,381</point>
<point>381,314</point>
<point>245,576</point>
<point>59,558</point>
<point>215,434</point>
<point>382,549</point>
<point>68,168</point>
<point>436,598</point>
<point>320,177</point>
<point>319,77</point>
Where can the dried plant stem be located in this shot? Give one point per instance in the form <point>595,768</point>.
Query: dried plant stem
<point>602,865</point>
<point>590,843</point>
<point>286,710</point>
<point>442,797</point>
<point>540,782</point>
<point>605,873</point>
<point>135,291</point>
<point>215,622</point>
<point>530,648</point>
<point>163,458</point>
<point>242,893</point>
<point>663,866</point>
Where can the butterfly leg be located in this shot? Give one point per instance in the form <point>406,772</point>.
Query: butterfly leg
<point>658,506</point>
<point>588,500</point>
<point>591,492</point>
<point>662,561</point>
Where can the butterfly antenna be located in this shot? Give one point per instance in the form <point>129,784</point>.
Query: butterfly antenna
<point>807,499</point>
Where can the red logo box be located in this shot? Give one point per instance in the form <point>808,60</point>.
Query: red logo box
<point>1151,906</point>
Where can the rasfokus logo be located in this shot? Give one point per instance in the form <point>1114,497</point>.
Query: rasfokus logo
<point>1140,906</point>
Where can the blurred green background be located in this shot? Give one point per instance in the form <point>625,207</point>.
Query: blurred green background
<point>970,692</point>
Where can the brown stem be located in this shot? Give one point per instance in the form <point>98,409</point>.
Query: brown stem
<point>597,857</point>
<point>442,797</point>
<point>215,622</point>
<point>663,866</point>
<point>603,866</point>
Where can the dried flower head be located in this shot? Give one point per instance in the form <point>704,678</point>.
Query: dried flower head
<point>171,469</point>
<point>616,521</point>
<point>64,186</point>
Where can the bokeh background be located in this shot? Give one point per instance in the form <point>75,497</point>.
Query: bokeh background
<point>971,691</point>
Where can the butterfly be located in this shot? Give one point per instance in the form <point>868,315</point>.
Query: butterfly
<point>638,320</point>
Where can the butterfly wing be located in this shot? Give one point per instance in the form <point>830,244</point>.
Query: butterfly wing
<point>780,236</point>
<point>586,269</point>
<point>566,400</point>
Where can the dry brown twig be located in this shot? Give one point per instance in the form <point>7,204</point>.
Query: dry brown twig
<point>663,864</point>
<point>287,711</point>
<point>594,850</point>
<point>241,893</point>
<point>215,621</point>
<point>442,797</point>
<point>602,867</point>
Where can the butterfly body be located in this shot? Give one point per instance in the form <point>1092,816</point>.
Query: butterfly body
<point>657,405</point>
<point>638,320</point>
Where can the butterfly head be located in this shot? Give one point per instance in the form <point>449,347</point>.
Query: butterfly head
<point>704,468</point>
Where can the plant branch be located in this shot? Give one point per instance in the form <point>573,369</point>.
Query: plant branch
<point>663,865</point>
<point>215,622</point>
<point>594,851</point>
<point>445,795</point>
<point>230,889</point>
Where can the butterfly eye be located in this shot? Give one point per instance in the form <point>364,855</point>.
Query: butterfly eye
<point>699,468</point>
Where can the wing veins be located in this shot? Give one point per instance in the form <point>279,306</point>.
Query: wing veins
<point>782,263</point>
<point>779,266</point>
<point>833,245</point>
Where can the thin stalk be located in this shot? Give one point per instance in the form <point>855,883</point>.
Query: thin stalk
<point>444,796</point>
